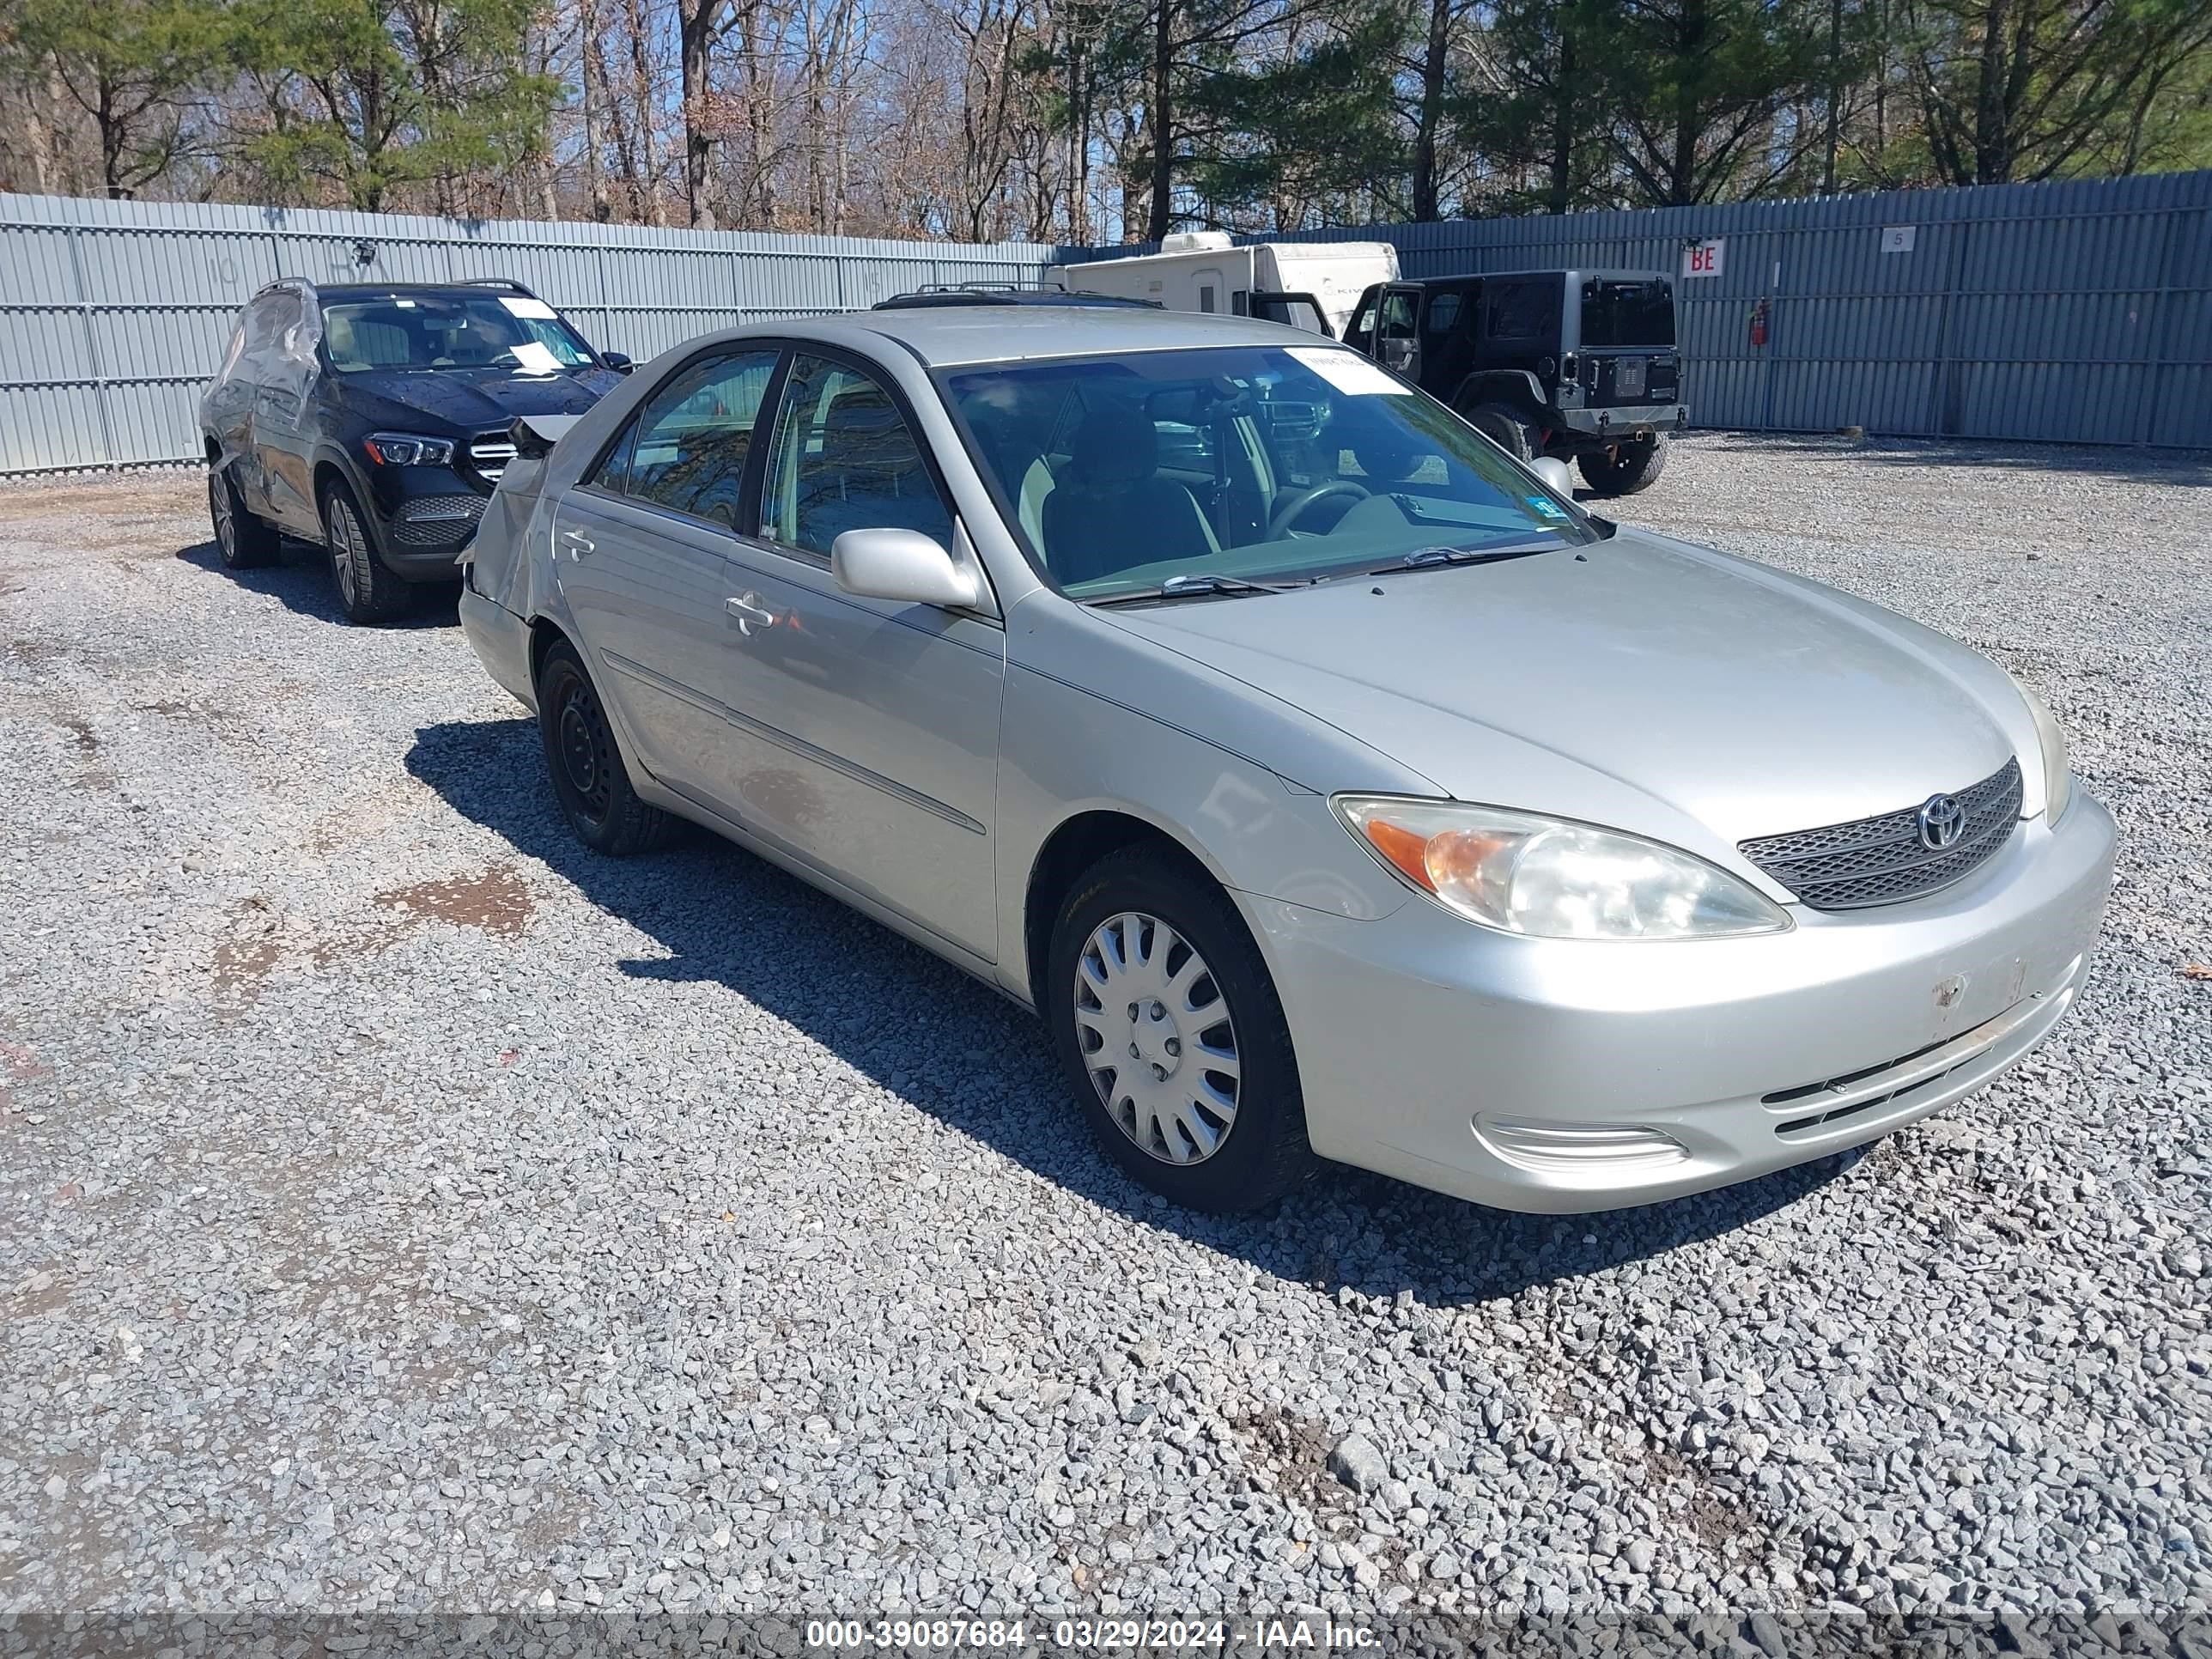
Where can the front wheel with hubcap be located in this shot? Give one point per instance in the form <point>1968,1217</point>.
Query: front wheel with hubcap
<point>368,593</point>
<point>589,777</point>
<point>1625,468</point>
<point>1173,1037</point>
<point>242,539</point>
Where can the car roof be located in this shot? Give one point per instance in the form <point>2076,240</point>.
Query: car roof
<point>949,336</point>
<point>1605,273</point>
<point>377,290</point>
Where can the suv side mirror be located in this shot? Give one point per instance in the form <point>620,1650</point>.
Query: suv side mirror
<point>902,565</point>
<point>621,363</point>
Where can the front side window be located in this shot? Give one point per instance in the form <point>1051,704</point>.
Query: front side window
<point>1312,462</point>
<point>845,459</point>
<point>688,446</point>
<point>508,332</point>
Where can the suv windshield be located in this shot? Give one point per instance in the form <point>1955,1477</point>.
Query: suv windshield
<point>1126,471</point>
<point>451,331</point>
<point>1628,314</point>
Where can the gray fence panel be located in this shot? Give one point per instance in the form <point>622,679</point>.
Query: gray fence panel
<point>113,314</point>
<point>2079,312</point>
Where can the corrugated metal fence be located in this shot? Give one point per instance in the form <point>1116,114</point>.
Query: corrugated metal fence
<point>113,314</point>
<point>2079,312</point>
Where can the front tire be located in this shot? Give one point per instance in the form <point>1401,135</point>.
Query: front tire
<point>1625,468</point>
<point>1172,1037</point>
<point>368,593</point>
<point>590,779</point>
<point>243,540</point>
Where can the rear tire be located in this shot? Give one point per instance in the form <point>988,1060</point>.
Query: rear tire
<point>368,593</point>
<point>1229,1013</point>
<point>1625,468</point>
<point>590,779</point>
<point>243,541</point>
<point>1502,424</point>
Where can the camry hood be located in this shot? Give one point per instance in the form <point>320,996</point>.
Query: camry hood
<point>1638,681</point>
<point>475,397</point>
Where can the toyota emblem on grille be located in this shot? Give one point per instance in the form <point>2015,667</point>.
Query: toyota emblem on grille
<point>1943,821</point>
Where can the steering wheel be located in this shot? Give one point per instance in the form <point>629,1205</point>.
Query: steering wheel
<point>1289,512</point>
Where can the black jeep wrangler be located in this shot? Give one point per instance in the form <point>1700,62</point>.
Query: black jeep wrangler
<point>1577,364</point>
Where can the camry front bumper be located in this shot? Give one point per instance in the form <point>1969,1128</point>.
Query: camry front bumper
<point>1562,1075</point>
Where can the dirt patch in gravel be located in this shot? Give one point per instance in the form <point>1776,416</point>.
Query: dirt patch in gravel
<point>498,900</point>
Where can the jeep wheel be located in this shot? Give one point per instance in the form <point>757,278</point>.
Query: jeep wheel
<point>1502,424</point>
<point>1625,468</point>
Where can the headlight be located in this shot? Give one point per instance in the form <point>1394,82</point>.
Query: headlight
<point>1552,878</point>
<point>2058,773</point>
<point>408,449</point>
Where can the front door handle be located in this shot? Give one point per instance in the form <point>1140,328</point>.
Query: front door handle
<point>578,544</point>
<point>750,613</point>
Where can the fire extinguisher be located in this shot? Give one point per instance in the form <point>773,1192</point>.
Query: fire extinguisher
<point>1759,323</point>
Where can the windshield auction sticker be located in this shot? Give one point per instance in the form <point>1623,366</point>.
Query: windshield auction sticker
<point>1347,371</point>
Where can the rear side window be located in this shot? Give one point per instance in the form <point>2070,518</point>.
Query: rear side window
<point>687,448</point>
<point>1628,314</point>
<point>1444,312</point>
<point>1522,311</point>
<point>845,459</point>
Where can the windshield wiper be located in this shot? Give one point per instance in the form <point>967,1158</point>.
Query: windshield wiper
<point>1201,586</point>
<point>1421,556</point>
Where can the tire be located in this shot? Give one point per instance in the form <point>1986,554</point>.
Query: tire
<point>243,541</point>
<point>1107,949</point>
<point>368,593</point>
<point>590,779</point>
<point>1502,424</point>
<point>1625,468</point>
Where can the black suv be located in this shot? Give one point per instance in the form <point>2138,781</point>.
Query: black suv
<point>1576,364</point>
<point>374,419</point>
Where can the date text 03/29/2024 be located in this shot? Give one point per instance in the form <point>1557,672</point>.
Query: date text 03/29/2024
<point>1092,1635</point>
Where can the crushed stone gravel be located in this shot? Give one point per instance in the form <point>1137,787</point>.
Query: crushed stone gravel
<point>405,1209</point>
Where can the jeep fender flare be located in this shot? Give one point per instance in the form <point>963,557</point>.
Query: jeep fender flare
<point>1516,387</point>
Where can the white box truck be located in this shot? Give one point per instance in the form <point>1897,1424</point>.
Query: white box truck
<point>1301,283</point>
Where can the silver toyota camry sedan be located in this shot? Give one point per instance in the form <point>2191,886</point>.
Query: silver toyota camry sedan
<point>1333,785</point>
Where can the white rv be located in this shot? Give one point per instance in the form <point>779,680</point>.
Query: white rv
<point>1284,281</point>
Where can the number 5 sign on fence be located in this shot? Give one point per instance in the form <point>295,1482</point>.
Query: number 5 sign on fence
<point>1703,258</point>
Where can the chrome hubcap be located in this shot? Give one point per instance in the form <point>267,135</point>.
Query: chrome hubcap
<point>1157,1038</point>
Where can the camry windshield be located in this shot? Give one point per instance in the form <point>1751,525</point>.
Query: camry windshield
<point>1204,470</point>
<point>489,331</point>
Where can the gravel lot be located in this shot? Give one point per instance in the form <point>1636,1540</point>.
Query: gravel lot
<point>404,1209</point>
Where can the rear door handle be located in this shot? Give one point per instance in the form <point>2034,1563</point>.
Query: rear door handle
<point>578,544</point>
<point>750,613</point>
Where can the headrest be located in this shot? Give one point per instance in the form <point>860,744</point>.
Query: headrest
<point>1115,444</point>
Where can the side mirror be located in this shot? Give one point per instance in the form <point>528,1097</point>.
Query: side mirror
<point>1555,472</point>
<point>902,565</point>
<point>621,363</point>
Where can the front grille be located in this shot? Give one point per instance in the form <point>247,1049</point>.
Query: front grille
<point>488,456</point>
<point>437,520</point>
<point>1880,861</point>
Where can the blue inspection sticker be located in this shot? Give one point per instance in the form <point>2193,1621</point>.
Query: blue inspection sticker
<point>1548,508</point>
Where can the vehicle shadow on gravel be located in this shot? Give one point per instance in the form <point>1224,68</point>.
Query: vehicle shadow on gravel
<point>947,1045</point>
<point>2180,466</point>
<point>300,580</point>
